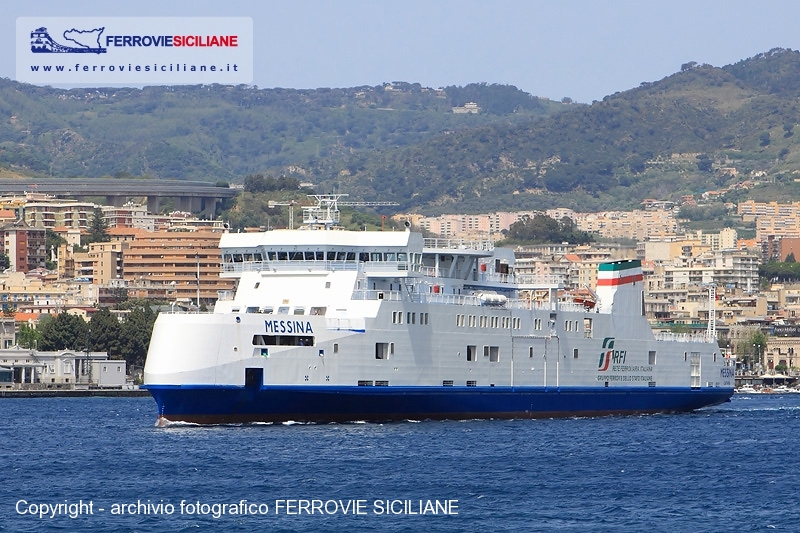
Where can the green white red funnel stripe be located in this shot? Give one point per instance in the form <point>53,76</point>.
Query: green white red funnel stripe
<point>619,273</point>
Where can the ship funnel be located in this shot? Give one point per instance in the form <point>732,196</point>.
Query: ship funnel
<point>620,287</point>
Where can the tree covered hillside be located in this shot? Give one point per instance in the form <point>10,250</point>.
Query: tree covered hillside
<point>225,133</point>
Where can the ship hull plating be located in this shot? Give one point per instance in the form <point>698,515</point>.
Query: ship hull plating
<point>222,405</point>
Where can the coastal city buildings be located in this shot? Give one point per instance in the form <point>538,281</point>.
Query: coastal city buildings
<point>173,259</point>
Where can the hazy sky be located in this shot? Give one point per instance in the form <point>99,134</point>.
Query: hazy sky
<point>581,49</point>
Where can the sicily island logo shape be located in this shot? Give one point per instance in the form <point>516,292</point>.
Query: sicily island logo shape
<point>82,42</point>
<point>605,357</point>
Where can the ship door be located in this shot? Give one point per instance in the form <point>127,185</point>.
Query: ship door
<point>253,378</point>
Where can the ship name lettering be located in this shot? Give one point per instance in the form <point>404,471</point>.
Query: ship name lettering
<point>287,326</point>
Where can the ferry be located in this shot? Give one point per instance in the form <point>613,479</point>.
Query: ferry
<point>328,325</point>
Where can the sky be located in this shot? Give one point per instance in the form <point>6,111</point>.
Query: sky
<point>581,49</point>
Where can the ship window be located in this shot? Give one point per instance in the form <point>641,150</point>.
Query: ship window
<point>335,347</point>
<point>299,310</point>
<point>411,318</point>
<point>423,319</point>
<point>319,256</point>
<point>351,256</point>
<point>248,257</point>
<point>486,351</point>
<point>472,353</point>
<point>530,351</point>
<point>227,258</point>
<point>381,383</point>
<point>381,350</point>
<point>587,328</point>
<point>684,356</point>
<point>447,383</point>
<point>258,283</point>
<point>574,353</point>
<point>376,257</point>
<point>472,383</point>
<point>258,257</point>
<point>390,256</point>
<point>318,311</point>
<point>267,310</point>
<point>365,383</point>
<point>483,321</point>
<point>363,257</point>
<point>651,357</point>
<point>494,354</point>
<point>237,258</point>
<point>283,256</point>
<point>295,256</point>
<point>251,310</point>
<point>472,321</point>
<point>494,321</point>
<point>331,256</point>
<point>308,256</point>
<point>283,310</point>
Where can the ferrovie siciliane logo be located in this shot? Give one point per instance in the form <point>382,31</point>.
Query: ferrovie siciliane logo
<point>134,50</point>
<point>80,42</point>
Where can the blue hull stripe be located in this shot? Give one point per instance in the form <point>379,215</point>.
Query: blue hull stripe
<point>219,404</point>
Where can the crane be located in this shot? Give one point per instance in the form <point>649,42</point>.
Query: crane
<point>291,204</point>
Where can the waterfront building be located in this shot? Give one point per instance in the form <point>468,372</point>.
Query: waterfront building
<point>32,369</point>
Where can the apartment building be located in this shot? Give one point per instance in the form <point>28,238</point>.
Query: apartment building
<point>24,245</point>
<point>76,215</point>
<point>184,263</point>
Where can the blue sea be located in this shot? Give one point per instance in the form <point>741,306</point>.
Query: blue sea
<point>101,464</point>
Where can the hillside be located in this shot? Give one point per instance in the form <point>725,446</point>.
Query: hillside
<point>705,128</point>
<point>701,129</point>
<point>225,133</point>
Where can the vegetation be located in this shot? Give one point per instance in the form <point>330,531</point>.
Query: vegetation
<point>780,272</point>
<point>544,229</point>
<point>127,339</point>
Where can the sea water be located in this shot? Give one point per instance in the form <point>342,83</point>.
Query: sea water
<point>101,464</point>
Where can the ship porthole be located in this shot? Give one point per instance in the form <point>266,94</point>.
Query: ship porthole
<point>238,319</point>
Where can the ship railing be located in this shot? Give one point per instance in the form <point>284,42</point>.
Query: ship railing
<point>289,266</point>
<point>372,267</point>
<point>451,299</point>
<point>683,337</point>
<point>530,304</point>
<point>394,296</point>
<point>539,280</point>
<point>493,277</point>
<point>459,244</point>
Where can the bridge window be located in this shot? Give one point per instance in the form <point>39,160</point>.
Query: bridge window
<point>363,257</point>
<point>331,256</point>
<point>376,257</point>
<point>390,256</point>
<point>283,256</point>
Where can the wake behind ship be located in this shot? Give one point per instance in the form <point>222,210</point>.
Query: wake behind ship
<point>331,325</point>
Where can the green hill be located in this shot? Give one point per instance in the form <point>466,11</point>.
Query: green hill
<point>705,128</point>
